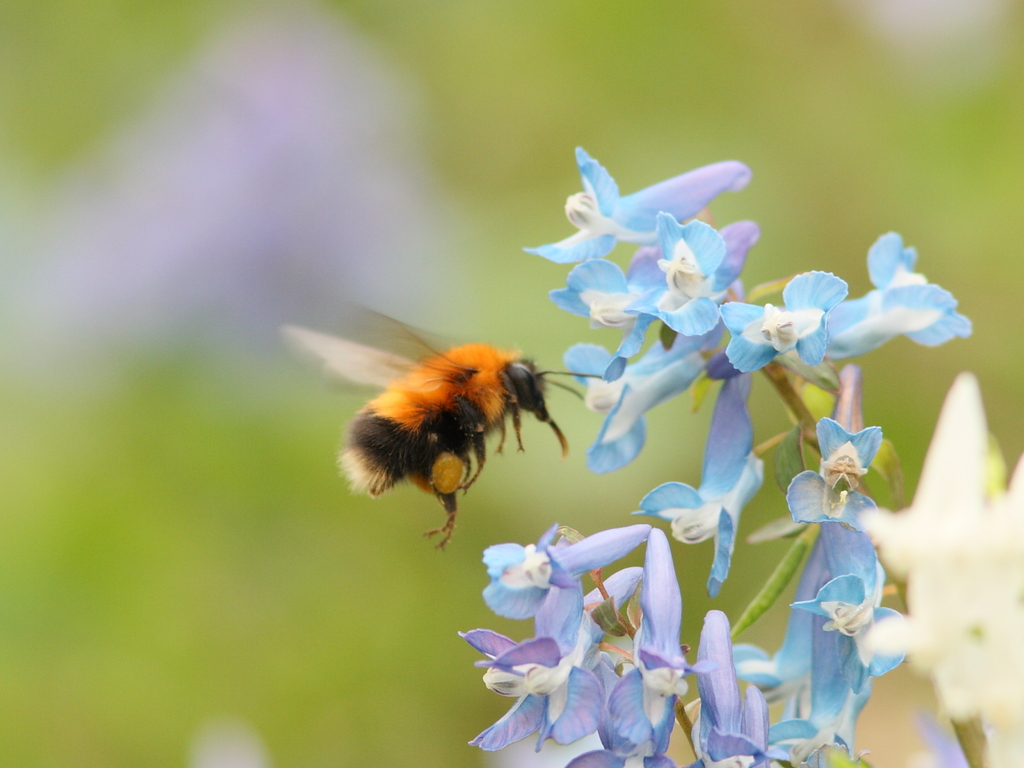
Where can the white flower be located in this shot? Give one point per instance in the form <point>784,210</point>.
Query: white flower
<point>962,555</point>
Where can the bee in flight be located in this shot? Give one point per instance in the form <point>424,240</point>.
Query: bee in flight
<point>433,415</point>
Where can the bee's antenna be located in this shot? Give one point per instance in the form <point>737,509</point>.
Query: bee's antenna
<point>567,388</point>
<point>570,373</point>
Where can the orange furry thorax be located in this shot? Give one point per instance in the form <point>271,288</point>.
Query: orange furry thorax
<point>471,371</point>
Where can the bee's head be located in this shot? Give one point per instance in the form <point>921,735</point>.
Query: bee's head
<point>528,387</point>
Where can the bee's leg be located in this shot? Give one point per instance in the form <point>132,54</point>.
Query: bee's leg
<point>451,507</point>
<point>513,407</point>
<point>501,441</point>
<point>471,415</point>
<point>480,454</point>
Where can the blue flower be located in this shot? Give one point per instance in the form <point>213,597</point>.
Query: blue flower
<point>761,333</point>
<point>699,264</point>
<point>637,723</point>
<point>727,727</point>
<point>834,707</point>
<point>522,576</point>
<point>556,677</point>
<point>599,290</point>
<point>850,601</point>
<point>904,302</point>
<point>786,676</point>
<point>732,475</point>
<point>658,376</point>
<point>603,217</point>
<point>846,457</point>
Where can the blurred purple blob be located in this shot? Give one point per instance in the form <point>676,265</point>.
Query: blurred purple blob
<point>276,179</point>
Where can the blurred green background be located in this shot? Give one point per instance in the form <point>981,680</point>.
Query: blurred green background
<point>175,543</point>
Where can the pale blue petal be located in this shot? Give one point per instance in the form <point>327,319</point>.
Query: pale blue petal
<point>730,439</point>
<point>597,759</point>
<point>643,272</point>
<point>586,358</point>
<point>748,356</point>
<point>582,708</point>
<point>598,182</point>
<point>808,497</point>
<point>788,730</point>
<point>828,688</point>
<point>847,589</point>
<point>631,342</point>
<point>888,255</point>
<point>614,370</point>
<point>661,601</point>
<point>953,324</point>
<point>814,290</point>
<point>524,718</point>
<point>880,664</point>
<point>845,315</point>
<point>500,557</point>
<point>854,672</point>
<point>831,435</point>
<point>504,600</point>
<point>569,300</point>
<point>850,552</point>
<point>605,457</point>
<point>657,358</point>
<point>867,442</point>
<point>669,233</point>
<point>739,238</point>
<point>591,248</point>
<point>812,347</point>
<point>724,543</point>
<point>560,615</point>
<point>707,245</point>
<point>598,275</point>
<point>737,316</point>
<point>746,658</point>
<point>659,761</point>
<point>683,196</point>
<point>670,496</point>
<point>695,318</point>
<point>601,549</point>
<point>487,642</point>
<point>513,602</point>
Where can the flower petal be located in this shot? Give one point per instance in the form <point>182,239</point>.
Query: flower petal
<point>524,718</point>
<point>683,196</point>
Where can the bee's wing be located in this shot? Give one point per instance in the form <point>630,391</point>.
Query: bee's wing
<point>342,360</point>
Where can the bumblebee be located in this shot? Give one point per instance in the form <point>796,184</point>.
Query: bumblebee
<point>431,422</point>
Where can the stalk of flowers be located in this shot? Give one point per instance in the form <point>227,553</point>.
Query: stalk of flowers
<point>570,680</point>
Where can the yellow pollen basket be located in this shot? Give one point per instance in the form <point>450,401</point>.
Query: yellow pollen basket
<point>447,473</point>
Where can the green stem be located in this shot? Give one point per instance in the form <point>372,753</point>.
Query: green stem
<point>776,374</point>
<point>971,735</point>
<point>684,722</point>
<point>777,582</point>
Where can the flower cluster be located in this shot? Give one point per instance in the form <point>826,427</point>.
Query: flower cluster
<point>610,661</point>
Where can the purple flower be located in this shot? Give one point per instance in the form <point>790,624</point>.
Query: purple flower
<point>727,726</point>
